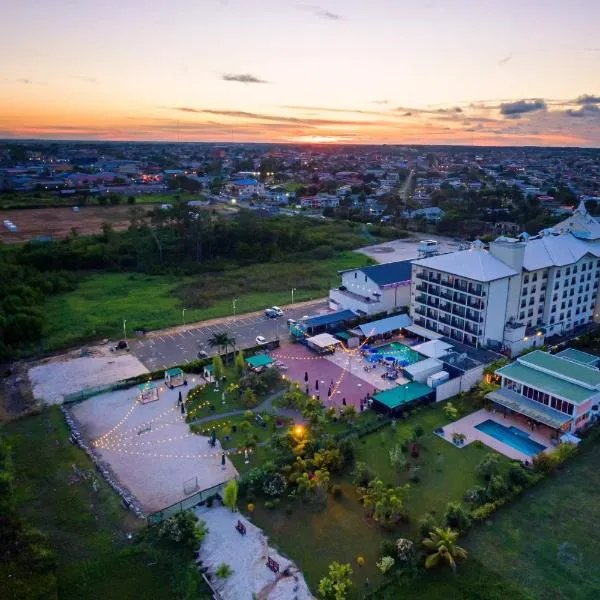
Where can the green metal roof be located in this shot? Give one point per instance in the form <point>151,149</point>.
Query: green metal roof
<point>548,383</point>
<point>403,394</point>
<point>534,410</point>
<point>587,376</point>
<point>174,372</point>
<point>578,356</point>
<point>260,360</point>
<point>149,385</point>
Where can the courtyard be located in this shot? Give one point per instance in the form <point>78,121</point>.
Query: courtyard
<point>150,447</point>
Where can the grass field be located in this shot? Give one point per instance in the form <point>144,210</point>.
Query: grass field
<point>87,529</point>
<point>97,307</point>
<point>548,540</point>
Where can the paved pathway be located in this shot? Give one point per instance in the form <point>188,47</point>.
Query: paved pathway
<point>265,405</point>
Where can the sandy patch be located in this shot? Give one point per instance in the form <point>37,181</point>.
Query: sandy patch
<point>150,447</point>
<point>55,377</point>
<point>247,556</point>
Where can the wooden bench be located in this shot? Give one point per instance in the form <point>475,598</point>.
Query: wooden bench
<point>241,528</point>
<point>273,565</point>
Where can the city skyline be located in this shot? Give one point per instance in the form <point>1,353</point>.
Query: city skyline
<point>340,71</point>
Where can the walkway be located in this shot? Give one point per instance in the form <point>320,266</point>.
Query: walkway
<point>265,406</point>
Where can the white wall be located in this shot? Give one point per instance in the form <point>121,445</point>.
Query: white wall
<point>496,299</point>
<point>464,383</point>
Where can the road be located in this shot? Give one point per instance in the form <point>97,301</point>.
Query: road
<point>160,350</point>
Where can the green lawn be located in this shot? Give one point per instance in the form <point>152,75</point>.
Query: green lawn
<point>87,529</point>
<point>548,540</point>
<point>97,308</point>
<point>341,532</point>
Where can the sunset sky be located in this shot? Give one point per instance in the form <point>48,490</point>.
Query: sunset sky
<point>357,71</point>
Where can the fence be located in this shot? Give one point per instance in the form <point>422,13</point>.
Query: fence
<point>185,504</point>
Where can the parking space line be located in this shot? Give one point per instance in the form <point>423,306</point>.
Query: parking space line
<point>161,338</point>
<point>181,335</point>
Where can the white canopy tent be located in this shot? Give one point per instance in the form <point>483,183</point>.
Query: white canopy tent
<point>433,348</point>
<point>323,342</point>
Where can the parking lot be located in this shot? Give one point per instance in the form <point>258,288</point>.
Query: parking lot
<point>161,350</point>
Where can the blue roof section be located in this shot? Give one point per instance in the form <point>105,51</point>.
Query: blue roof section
<point>387,274</point>
<point>385,325</point>
<point>330,318</point>
<point>247,181</point>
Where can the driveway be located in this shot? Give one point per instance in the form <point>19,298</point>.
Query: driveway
<point>161,349</point>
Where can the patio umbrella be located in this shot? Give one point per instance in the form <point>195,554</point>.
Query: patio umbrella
<point>306,376</point>
<point>329,393</point>
<point>182,409</point>
<point>179,400</point>
<point>307,390</point>
<point>213,438</point>
<point>317,384</point>
<point>344,401</point>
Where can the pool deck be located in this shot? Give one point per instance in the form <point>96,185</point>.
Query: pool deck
<point>467,426</point>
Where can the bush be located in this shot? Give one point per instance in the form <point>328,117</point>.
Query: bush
<point>385,564</point>
<point>563,452</point>
<point>476,495</point>
<point>517,475</point>
<point>183,529</point>
<point>457,517</point>
<point>249,399</point>
<point>497,487</point>
<point>362,474</point>
<point>270,504</point>
<point>336,492</point>
<point>543,463</point>
<point>450,411</point>
<point>418,431</point>
<point>274,484</point>
<point>484,511</point>
<point>427,523</point>
<point>388,548</point>
<point>404,550</point>
<point>488,466</point>
<point>413,475</point>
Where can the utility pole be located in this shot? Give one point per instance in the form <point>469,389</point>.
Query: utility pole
<point>183,316</point>
<point>234,301</point>
<point>125,329</point>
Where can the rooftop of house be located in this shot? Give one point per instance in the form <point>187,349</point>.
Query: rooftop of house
<point>561,367</point>
<point>387,274</point>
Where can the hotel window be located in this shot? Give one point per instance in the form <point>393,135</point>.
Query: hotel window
<point>573,279</point>
<point>533,289</point>
<point>521,315</point>
<point>553,308</point>
<point>551,320</point>
<point>534,278</point>
<point>526,279</point>
<point>575,269</point>
<point>558,273</point>
<point>581,278</point>
<point>524,292</point>
<point>561,317</point>
<point>583,266</point>
<point>568,271</point>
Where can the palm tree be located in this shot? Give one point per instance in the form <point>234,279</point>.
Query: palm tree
<point>441,545</point>
<point>220,341</point>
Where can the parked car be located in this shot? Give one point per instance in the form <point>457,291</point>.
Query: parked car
<point>203,354</point>
<point>277,310</point>
<point>291,321</point>
<point>260,339</point>
<point>273,312</point>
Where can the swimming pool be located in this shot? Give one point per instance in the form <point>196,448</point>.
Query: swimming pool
<point>511,436</point>
<point>400,352</point>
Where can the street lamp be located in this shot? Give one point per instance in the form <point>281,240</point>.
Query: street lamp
<point>183,316</point>
<point>125,329</point>
<point>233,302</point>
<point>293,290</point>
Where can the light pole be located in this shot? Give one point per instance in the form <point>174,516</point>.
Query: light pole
<point>293,290</point>
<point>233,302</point>
<point>125,329</point>
<point>183,316</point>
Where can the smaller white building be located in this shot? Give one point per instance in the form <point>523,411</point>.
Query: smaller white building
<point>372,290</point>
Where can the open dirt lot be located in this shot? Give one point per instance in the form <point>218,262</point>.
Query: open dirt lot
<point>55,377</point>
<point>149,446</point>
<point>58,222</point>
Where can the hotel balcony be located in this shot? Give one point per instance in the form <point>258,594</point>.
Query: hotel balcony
<point>352,301</point>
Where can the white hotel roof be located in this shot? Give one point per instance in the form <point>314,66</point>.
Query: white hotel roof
<point>556,251</point>
<point>476,264</point>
